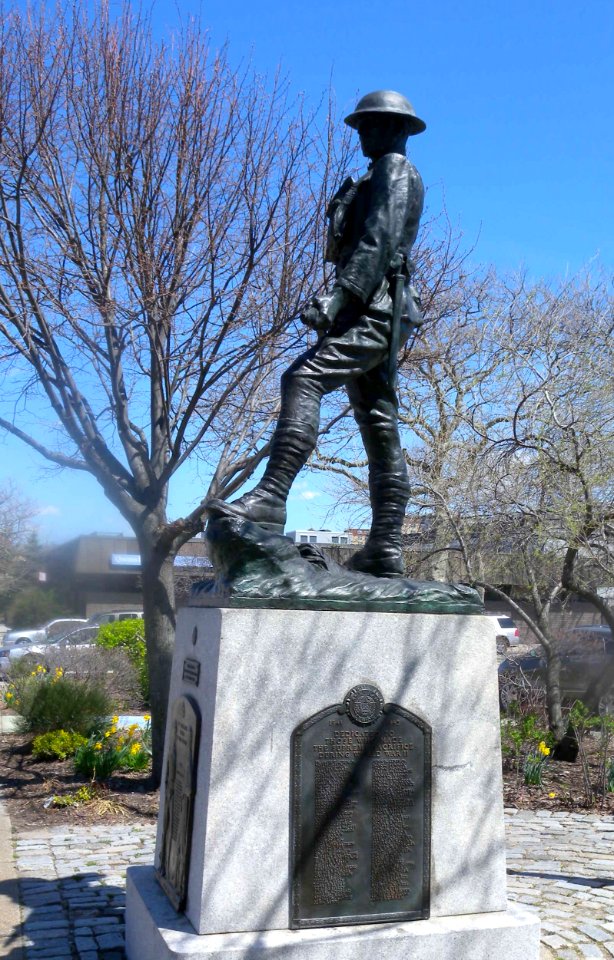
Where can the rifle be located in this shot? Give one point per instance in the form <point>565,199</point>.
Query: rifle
<point>398,283</point>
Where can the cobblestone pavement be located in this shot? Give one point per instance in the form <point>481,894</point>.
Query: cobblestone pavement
<point>72,884</point>
<point>563,864</point>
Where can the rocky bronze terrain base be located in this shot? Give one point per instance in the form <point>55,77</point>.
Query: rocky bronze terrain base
<point>257,568</point>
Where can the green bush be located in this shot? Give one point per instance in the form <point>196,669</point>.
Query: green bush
<point>36,605</point>
<point>56,745</point>
<point>129,635</point>
<point>50,701</point>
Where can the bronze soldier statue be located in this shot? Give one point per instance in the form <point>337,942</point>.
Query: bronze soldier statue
<point>367,316</point>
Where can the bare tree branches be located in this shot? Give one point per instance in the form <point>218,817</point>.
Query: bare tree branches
<point>160,224</point>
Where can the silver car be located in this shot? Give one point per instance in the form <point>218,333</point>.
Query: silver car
<point>52,630</point>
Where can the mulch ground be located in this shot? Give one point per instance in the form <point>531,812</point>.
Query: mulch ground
<point>563,786</point>
<point>27,785</point>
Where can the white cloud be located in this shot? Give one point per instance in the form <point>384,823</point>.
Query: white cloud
<point>308,494</point>
<point>49,511</point>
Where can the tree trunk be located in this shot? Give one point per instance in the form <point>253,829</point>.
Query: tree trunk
<point>159,610</point>
<point>553,694</point>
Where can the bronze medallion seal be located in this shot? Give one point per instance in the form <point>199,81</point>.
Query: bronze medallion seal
<point>364,703</point>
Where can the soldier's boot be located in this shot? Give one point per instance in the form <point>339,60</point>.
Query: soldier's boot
<point>382,554</point>
<point>291,446</point>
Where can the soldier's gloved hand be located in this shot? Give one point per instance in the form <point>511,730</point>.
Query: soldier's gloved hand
<point>313,318</point>
<point>333,303</point>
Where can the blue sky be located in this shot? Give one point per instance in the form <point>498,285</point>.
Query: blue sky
<point>519,146</point>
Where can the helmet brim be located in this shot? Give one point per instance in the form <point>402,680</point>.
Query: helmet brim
<point>414,124</point>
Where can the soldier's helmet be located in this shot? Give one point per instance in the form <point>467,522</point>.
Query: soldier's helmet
<point>386,101</point>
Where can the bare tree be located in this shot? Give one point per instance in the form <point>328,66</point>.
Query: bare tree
<point>526,495</point>
<point>16,541</point>
<point>160,223</point>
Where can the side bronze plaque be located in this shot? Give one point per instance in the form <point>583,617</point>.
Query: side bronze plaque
<point>361,796</point>
<point>180,787</point>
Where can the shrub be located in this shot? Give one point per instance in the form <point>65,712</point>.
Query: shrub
<point>57,745</point>
<point>113,749</point>
<point>36,605</point>
<point>50,701</point>
<point>129,635</point>
<point>110,669</point>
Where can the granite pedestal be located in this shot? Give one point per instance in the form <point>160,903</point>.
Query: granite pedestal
<point>264,671</point>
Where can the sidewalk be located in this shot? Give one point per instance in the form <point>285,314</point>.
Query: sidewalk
<point>71,884</point>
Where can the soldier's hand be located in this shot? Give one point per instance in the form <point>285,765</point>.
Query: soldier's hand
<point>333,303</point>
<point>313,317</point>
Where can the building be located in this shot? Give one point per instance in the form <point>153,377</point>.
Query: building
<point>101,571</point>
<point>321,537</point>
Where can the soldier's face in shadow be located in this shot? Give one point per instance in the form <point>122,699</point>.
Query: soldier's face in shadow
<point>382,133</point>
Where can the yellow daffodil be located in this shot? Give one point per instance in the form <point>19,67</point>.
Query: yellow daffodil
<point>98,746</point>
<point>552,796</point>
<point>107,734</point>
<point>40,669</point>
<point>132,729</point>
<point>543,749</point>
<point>33,674</point>
<point>9,695</point>
<point>135,748</point>
<point>113,729</point>
<point>114,719</point>
<point>147,717</point>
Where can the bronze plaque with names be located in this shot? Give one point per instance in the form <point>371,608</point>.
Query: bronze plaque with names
<point>361,798</point>
<point>180,788</point>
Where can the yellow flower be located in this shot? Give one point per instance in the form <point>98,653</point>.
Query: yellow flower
<point>107,734</point>
<point>135,748</point>
<point>98,746</point>
<point>121,741</point>
<point>40,669</point>
<point>132,729</point>
<point>113,729</point>
<point>114,719</point>
<point>33,674</point>
<point>9,695</point>
<point>552,795</point>
<point>543,749</point>
<point>147,717</point>
<point>59,672</point>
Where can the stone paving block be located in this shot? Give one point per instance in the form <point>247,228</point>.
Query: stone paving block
<point>590,950</point>
<point>85,943</point>
<point>554,941</point>
<point>594,932</point>
<point>110,941</point>
<point>57,951</point>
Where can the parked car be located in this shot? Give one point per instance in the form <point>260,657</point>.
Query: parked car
<point>586,653</point>
<point>112,616</point>
<point>52,630</point>
<point>507,634</point>
<point>18,642</point>
<point>82,636</point>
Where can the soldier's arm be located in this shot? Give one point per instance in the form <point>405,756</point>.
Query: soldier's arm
<point>396,191</point>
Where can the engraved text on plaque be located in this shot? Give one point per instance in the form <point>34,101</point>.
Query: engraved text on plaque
<point>361,813</point>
